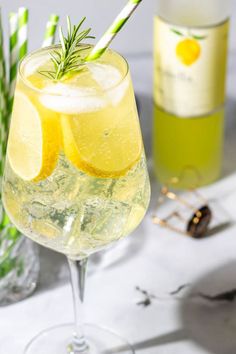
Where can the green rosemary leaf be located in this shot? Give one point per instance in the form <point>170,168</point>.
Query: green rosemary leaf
<point>68,26</point>
<point>47,74</point>
<point>68,59</point>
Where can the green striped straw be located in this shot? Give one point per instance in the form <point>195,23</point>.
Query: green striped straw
<point>13,61</point>
<point>49,36</point>
<point>113,30</point>
<point>14,57</point>
<point>5,83</point>
<point>2,100</point>
<point>23,15</point>
<point>3,105</point>
<point>18,47</point>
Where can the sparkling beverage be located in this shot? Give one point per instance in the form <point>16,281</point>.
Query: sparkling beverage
<point>75,176</point>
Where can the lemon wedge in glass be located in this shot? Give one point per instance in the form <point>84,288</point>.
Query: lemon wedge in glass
<point>34,140</point>
<point>102,143</point>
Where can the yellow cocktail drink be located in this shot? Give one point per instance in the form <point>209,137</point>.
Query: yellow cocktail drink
<point>75,177</point>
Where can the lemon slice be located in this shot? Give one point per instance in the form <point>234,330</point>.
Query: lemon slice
<point>34,139</point>
<point>102,144</point>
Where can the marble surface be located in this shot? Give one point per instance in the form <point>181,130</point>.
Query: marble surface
<point>153,259</point>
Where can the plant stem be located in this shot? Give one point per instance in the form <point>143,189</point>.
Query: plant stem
<point>78,276</point>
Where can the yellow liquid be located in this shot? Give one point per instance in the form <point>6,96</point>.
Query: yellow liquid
<point>187,151</point>
<point>98,190</point>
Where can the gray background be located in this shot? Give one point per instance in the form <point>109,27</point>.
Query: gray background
<point>136,37</point>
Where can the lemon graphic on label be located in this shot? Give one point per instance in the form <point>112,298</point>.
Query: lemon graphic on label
<point>188,49</point>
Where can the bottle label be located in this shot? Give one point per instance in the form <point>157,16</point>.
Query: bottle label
<point>190,67</point>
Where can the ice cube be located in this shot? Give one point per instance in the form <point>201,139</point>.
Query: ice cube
<point>109,79</point>
<point>104,219</point>
<point>68,99</point>
<point>106,76</point>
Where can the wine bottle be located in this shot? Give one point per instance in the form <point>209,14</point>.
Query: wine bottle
<point>190,62</point>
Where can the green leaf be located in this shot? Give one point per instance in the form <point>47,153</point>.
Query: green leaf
<point>68,59</point>
<point>177,32</point>
<point>199,38</point>
<point>68,25</point>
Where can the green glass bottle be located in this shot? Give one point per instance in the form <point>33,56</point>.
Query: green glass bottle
<point>190,59</point>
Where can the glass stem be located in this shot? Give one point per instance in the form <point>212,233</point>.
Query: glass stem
<point>78,277</point>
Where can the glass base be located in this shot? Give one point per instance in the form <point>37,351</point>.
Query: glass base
<point>57,340</point>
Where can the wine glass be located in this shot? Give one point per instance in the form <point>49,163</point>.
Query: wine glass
<point>75,177</point>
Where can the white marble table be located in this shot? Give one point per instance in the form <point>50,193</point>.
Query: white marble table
<point>154,259</point>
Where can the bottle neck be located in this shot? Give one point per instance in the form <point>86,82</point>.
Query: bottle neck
<point>194,13</point>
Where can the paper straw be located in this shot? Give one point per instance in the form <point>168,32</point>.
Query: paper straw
<point>3,113</point>
<point>18,49</point>
<point>113,30</point>
<point>49,36</point>
<point>3,106</point>
<point>14,56</point>
<point>23,15</point>
<point>5,83</point>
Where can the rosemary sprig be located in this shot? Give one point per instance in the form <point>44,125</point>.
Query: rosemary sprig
<point>68,59</point>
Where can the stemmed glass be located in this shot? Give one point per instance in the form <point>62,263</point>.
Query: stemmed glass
<point>75,177</point>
